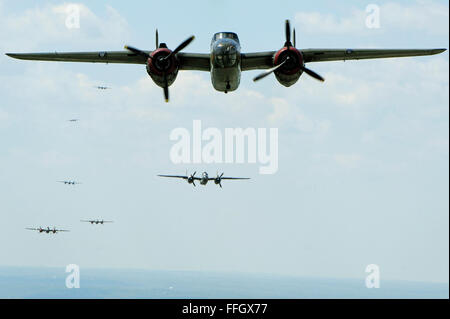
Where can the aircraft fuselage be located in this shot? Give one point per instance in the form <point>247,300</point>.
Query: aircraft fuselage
<point>204,178</point>
<point>225,62</point>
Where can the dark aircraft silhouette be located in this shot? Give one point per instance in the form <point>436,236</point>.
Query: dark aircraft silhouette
<point>204,178</point>
<point>102,87</point>
<point>48,230</point>
<point>69,182</point>
<point>96,221</point>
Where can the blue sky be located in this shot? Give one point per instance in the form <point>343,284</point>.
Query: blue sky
<point>363,157</point>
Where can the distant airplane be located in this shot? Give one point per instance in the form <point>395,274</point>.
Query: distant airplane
<point>225,60</point>
<point>102,87</point>
<point>69,182</point>
<point>73,120</point>
<point>48,230</point>
<point>96,221</point>
<point>204,178</point>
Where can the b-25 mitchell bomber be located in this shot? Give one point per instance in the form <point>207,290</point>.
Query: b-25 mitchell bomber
<point>204,178</point>
<point>48,230</point>
<point>96,221</point>
<point>225,60</point>
<point>69,182</point>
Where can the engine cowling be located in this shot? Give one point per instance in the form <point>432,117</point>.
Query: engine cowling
<point>156,67</point>
<point>288,63</point>
<point>291,71</point>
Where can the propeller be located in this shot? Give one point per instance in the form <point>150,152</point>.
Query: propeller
<point>266,73</point>
<point>191,178</point>
<point>293,35</point>
<point>219,179</point>
<point>288,44</point>
<point>137,51</point>
<point>288,34</point>
<point>180,47</point>
<point>162,63</point>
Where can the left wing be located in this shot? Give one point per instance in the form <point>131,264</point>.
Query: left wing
<point>264,60</point>
<point>175,176</point>
<point>319,55</point>
<point>213,178</point>
<point>257,60</point>
<point>93,57</point>
<point>188,61</point>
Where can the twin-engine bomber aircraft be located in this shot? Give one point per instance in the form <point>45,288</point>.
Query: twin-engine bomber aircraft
<point>204,179</point>
<point>69,182</point>
<point>225,61</point>
<point>96,221</point>
<point>48,230</point>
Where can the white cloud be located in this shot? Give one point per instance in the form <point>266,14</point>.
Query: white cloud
<point>348,160</point>
<point>46,26</point>
<point>424,16</point>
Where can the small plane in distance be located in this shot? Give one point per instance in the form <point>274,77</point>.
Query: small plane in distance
<point>204,178</point>
<point>48,230</point>
<point>69,182</point>
<point>96,221</point>
<point>73,120</point>
<point>225,61</point>
<point>102,87</point>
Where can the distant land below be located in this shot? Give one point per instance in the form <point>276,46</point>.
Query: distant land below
<point>18,282</point>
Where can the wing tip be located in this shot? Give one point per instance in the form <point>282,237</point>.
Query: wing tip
<point>19,56</point>
<point>438,51</point>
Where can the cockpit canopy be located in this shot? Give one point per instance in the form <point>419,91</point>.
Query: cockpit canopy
<point>225,35</point>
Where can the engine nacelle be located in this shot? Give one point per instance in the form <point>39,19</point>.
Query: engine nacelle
<point>291,71</point>
<point>157,66</point>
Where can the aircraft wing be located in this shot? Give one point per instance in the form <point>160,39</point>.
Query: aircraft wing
<point>32,228</point>
<point>175,176</point>
<point>94,57</point>
<point>213,178</point>
<point>188,61</point>
<point>257,60</point>
<point>57,230</point>
<point>264,60</point>
<point>319,55</point>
